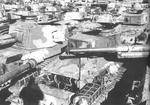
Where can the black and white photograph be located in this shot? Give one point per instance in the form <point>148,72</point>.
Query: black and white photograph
<point>74,52</point>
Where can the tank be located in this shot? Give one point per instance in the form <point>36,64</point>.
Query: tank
<point>70,62</point>
<point>19,44</point>
<point>33,52</point>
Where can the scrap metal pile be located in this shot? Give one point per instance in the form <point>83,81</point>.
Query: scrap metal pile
<point>68,47</point>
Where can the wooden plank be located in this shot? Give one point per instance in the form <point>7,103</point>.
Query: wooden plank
<point>145,93</point>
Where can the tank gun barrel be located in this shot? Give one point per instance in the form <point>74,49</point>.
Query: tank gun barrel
<point>133,48</point>
<point>89,50</point>
<point>7,39</point>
